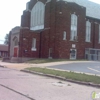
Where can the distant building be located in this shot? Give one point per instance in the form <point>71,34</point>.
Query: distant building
<point>3,50</point>
<point>57,29</point>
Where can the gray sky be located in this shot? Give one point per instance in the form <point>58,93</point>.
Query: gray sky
<point>11,11</point>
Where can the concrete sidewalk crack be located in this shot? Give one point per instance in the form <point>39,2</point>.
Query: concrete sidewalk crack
<point>17,92</point>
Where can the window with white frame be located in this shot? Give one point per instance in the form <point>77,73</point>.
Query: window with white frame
<point>33,44</point>
<point>99,33</point>
<point>37,16</point>
<point>73,27</point>
<point>88,31</point>
<point>64,35</point>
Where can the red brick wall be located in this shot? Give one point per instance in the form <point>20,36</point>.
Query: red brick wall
<point>63,24</point>
<point>47,36</point>
<point>25,19</point>
<point>94,34</point>
<point>26,37</point>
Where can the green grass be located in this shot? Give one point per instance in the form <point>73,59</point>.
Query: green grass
<point>68,75</point>
<point>37,61</point>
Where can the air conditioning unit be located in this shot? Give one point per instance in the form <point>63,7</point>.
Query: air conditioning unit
<point>75,38</point>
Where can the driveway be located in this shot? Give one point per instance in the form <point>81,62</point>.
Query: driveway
<point>16,85</point>
<point>91,67</point>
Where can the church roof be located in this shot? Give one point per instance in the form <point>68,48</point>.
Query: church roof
<point>16,30</point>
<point>92,9</point>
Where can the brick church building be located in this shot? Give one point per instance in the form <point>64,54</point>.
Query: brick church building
<point>56,29</point>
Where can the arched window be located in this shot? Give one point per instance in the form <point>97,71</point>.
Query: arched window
<point>37,16</point>
<point>88,31</point>
<point>15,41</point>
<point>73,27</point>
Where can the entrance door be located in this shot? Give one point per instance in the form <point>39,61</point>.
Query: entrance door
<point>15,51</point>
<point>73,53</point>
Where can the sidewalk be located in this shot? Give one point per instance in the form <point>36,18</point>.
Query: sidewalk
<point>40,87</point>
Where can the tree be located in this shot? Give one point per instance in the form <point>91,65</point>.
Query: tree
<point>6,39</point>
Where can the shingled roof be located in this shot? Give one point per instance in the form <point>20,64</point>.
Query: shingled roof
<point>3,47</point>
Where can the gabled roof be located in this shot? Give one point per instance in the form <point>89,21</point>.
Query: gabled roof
<point>16,30</point>
<point>92,9</point>
<point>3,47</point>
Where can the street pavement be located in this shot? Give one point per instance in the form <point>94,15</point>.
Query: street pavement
<point>6,94</point>
<point>17,85</point>
<point>91,67</point>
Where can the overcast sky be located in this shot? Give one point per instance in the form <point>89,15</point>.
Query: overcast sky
<point>10,15</point>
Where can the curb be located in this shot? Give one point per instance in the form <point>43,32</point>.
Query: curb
<point>62,78</point>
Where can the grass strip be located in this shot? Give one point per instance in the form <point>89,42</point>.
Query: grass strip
<point>37,61</point>
<point>68,75</point>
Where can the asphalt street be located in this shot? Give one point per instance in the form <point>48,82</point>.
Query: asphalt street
<point>84,67</point>
<point>16,85</point>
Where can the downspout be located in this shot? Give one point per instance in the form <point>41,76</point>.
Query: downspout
<point>49,30</point>
<point>40,45</point>
<point>55,28</point>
